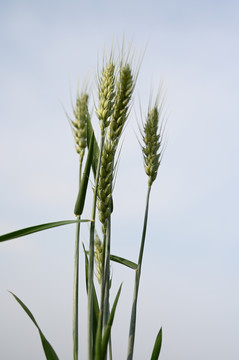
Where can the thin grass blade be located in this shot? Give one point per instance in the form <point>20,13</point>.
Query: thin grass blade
<point>95,300</point>
<point>108,327</point>
<point>123,261</point>
<point>96,151</point>
<point>90,133</point>
<point>96,306</point>
<point>48,349</point>
<point>98,340</point>
<point>36,228</point>
<point>79,206</point>
<point>157,346</point>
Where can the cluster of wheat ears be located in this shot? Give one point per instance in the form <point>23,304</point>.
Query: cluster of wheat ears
<point>116,84</point>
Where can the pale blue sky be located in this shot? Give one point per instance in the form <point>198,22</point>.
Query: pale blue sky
<point>191,258</point>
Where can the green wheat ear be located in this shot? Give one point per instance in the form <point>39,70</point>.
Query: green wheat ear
<point>124,89</point>
<point>117,108</point>
<point>106,90</point>
<point>98,258</point>
<point>152,137</point>
<point>105,183</point>
<point>81,113</point>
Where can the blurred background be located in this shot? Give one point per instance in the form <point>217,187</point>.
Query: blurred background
<point>190,272</point>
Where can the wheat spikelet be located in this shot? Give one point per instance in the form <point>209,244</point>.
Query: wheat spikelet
<point>119,109</point>
<point>105,183</point>
<point>80,124</point>
<point>152,143</point>
<point>124,89</point>
<point>98,258</point>
<point>106,95</point>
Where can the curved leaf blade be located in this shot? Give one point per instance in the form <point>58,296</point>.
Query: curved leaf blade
<point>157,346</point>
<point>48,349</point>
<point>96,151</point>
<point>123,261</point>
<point>107,332</point>
<point>96,311</point>
<point>98,340</point>
<point>90,134</point>
<point>36,228</point>
<point>80,201</point>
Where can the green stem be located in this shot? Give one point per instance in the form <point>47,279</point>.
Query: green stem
<point>110,348</point>
<point>75,293</point>
<point>136,283</point>
<point>107,274</point>
<point>105,282</point>
<point>91,257</point>
<point>76,284</point>
<point>102,285</point>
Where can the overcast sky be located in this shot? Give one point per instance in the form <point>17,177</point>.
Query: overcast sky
<point>190,272</point>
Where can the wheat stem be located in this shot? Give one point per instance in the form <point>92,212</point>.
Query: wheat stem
<point>107,274</point>
<point>136,283</point>
<point>76,293</point>
<point>76,280</point>
<point>91,256</point>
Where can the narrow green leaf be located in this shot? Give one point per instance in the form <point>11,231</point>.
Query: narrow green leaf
<point>96,306</point>
<point>96,150</point>
<point>107,332</point>
<point>36,228</point>
<point>157,346</point>
<point>90,133</point>
<point>98,340</point>
<point>123,261</point>
<point>84,182</point>
<point>95,300</point>
<point>86,267</point>
<point>48,349</point>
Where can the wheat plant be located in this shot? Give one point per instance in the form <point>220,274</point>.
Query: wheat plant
<point>116,84</point>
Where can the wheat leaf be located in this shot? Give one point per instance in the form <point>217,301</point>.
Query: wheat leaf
<point>48,349</point>
<point>157,346</point>
<point>36,228</point>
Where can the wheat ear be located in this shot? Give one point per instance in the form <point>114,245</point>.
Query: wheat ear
<point>79,125</point>
<point>106,89</point>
